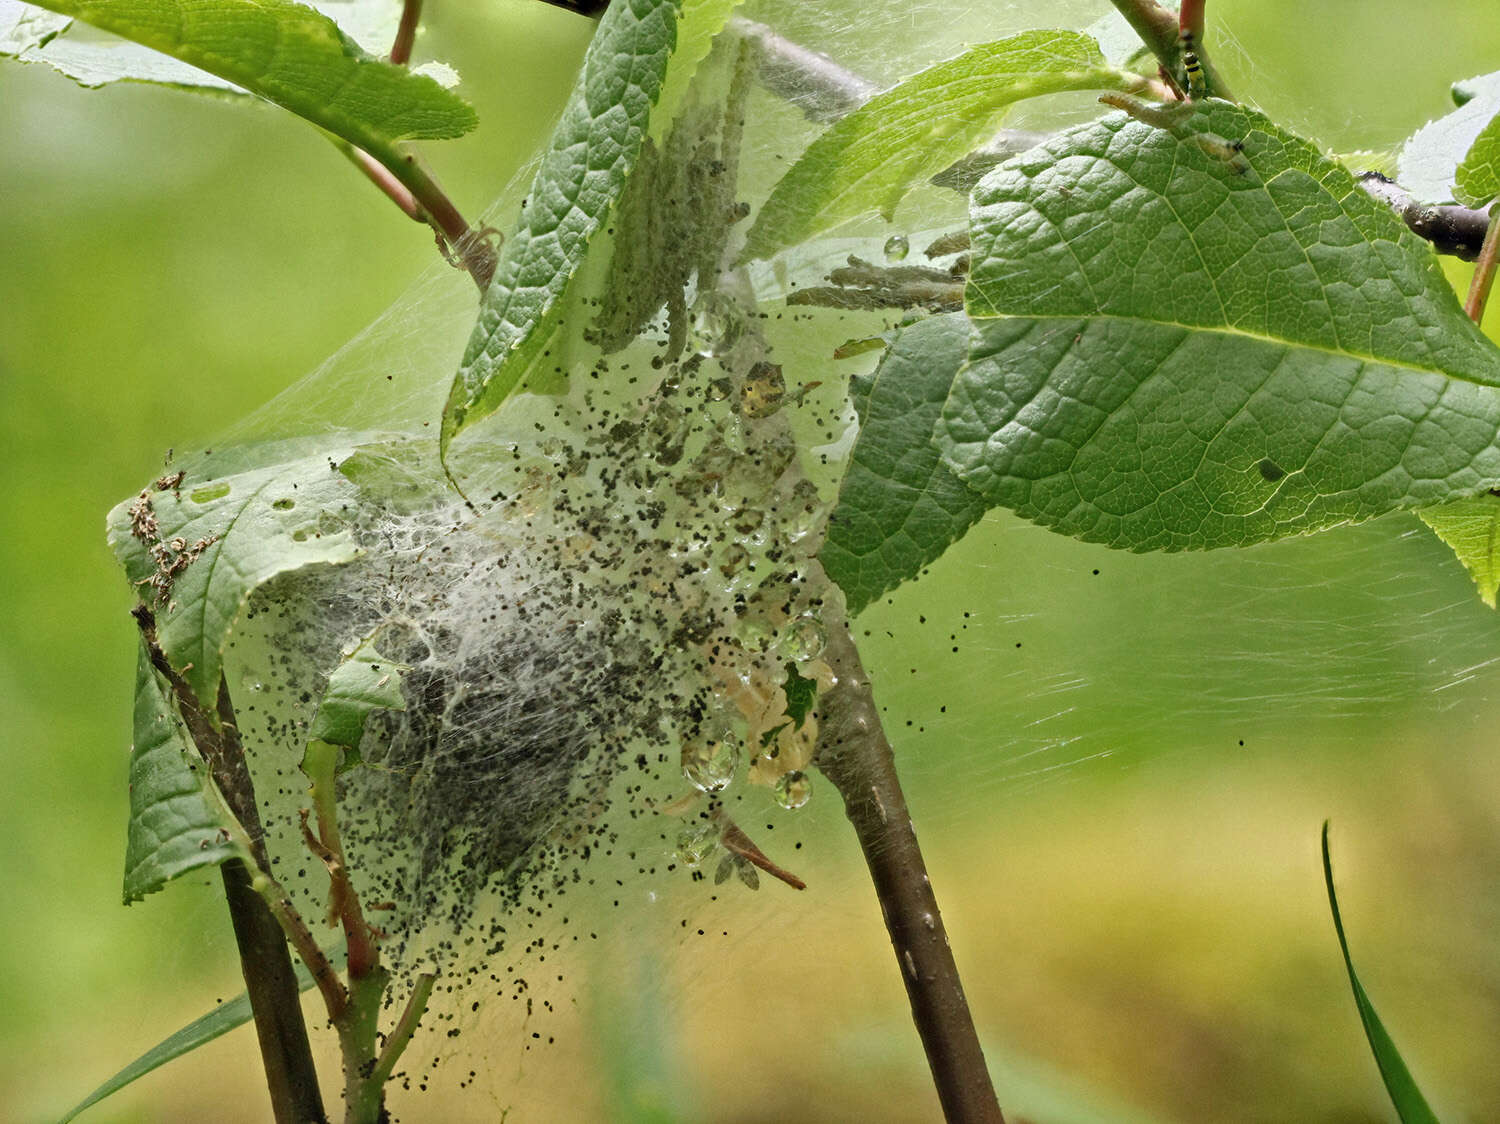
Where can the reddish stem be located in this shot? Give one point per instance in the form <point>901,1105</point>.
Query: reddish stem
<point>406,34</point>
<point>1484,268</point>
<point>1190,18</point>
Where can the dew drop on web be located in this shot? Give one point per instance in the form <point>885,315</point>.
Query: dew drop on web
<point>793,789</point>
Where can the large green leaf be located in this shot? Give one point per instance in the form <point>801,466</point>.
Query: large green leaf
<point>285,52</point>
<point>1471,528</point>
<point>1430,157</point>
<point>177,822</point>
<point>201,1031</point>
<point>899,506</point>
<point>594,148</point>
<point>216,540</point>
<point>1181,346</point>
<point>31,34</point>
<point>1407,1098</point>
<point>869,159</point>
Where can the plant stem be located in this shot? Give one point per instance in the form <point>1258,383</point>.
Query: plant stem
<point>407,184</point>
<point>854,753</point>
<point>1484,268</point>
<point>272,987</point>
<point>1190,17</point>
<point>406,34</point>
<point>1160,30</point>
<point>275,999</point>
<point>401,1035</point>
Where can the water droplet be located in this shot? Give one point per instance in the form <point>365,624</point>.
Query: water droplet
<point>897,247</point>
<point>697,843</point>
<point>716,325</point>
<point>754,635</point>
<point>803,639</point>
<point>793,789</point>
<point>710,762</point>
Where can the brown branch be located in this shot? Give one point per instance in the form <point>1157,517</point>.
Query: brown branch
<point>1458,231</point>
<point>275,1003</point>
<point>270,983</point>
<point>1484,269</point>
<point>855,755</point>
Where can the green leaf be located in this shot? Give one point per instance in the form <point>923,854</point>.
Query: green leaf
<point>592,152</point>
<point>1411,1106</point>
<point>801,695</point>
<point>1472,529</point>
<point>899,506</point>
<point>1478,177</point>
<point>1182,346</point>
<point>1430,157</point>
<point>201,1031</point>
<point>869,159</point>
<point>363,683</point>
<point>177,822</point>
<point>285,52</point>
<point>216,540</point>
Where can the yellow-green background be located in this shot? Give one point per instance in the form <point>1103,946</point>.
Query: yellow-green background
<point>1133,894</point>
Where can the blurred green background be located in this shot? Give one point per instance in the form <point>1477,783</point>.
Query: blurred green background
<point>1119,774</point>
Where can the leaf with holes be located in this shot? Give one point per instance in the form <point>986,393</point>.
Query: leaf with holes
<point>1182,345</point>
<point>871,158</point>
<point>900,506</point>
<point>287,53</point>
<point>197,551</point>
<point>178,824</point>
<point>592,153</point>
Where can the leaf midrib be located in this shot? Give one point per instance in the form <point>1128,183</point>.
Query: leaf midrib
<point>1243,333</point>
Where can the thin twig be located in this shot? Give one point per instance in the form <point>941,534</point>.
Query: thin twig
<point>1190,18</point>
<point>270,983</point>
<point>810,80</point>
<point>401,1033</point>
<point>377,174</point>
<point>406,33</point>
<point>1484,269</point>
<point>855,755</point>
<point>411,187</point>
<point>324,974</point>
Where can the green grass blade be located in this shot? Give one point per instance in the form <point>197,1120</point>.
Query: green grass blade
<point>1411,1106</point>
<point>220,1021</point>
